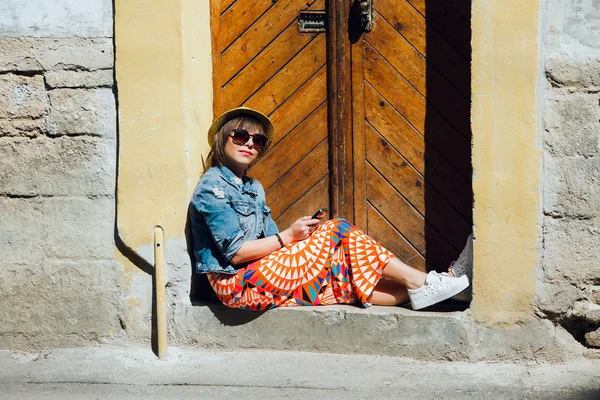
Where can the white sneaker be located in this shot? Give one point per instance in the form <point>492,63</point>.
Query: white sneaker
<point>464,266</point>
<point>437,287</point>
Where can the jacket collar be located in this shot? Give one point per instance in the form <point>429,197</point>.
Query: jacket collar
<point>244,185</point>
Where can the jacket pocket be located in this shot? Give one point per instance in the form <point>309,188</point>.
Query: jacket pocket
<point>268,225</point>
<point>246,216</point>
<point>243,207</point>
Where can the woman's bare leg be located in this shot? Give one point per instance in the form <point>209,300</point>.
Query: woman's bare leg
<point>391,290</point>
<point>399,272</point>
<point>398,278</point>
<point>388,293</point>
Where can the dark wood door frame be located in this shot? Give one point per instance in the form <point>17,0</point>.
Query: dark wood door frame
<point>339,80</point>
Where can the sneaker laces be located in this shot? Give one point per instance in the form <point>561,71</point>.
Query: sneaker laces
<point>437,277</point>
<point>447,277</point>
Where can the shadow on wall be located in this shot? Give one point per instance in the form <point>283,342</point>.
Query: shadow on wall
<point>125,250</point>
<point>448,168</point>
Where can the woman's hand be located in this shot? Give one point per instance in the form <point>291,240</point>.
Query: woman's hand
<point>255,249</point>
<point>301,228</point>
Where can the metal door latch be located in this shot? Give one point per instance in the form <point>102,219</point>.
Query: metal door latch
<point>366,13</point>
<point>312,21</point>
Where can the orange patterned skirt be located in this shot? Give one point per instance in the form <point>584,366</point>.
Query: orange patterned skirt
<point>337,264</point>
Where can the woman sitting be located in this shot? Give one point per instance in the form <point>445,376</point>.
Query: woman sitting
<point>252,265</point>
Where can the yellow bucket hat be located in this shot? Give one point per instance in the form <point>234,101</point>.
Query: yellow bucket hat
<point>236,112</point>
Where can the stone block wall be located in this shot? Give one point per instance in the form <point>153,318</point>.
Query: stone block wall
<point>570,275</point>
<point>58,277</point>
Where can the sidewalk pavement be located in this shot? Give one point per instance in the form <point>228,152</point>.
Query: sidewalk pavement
<point>133,372</point>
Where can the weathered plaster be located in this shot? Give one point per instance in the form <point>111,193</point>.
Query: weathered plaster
<point>56,18</point>
<point>165,107</point>
<point>506,159</point>
<point>573,26</point>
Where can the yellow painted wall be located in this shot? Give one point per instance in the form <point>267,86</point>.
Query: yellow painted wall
<point>506,158</point>
<point>165,107</point>
<point>163,70</point>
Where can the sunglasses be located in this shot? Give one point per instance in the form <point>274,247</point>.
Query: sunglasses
<point>241,137</point>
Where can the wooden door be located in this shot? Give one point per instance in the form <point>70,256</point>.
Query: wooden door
<point>411,128</point>
<point>261,60</point>
<point>374,124</point>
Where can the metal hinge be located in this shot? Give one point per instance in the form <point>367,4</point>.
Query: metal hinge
<point>366,12</point>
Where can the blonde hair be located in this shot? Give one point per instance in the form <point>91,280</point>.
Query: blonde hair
<point>216,156</point>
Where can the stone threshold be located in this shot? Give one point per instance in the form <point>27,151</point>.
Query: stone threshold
<point>441,334</point>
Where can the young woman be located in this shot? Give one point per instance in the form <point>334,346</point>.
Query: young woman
<point>251,265</point>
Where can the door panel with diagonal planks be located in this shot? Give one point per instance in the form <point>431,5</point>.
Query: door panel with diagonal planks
<point>262,61</point>
<point>411,129</point>
<point>408,157</point>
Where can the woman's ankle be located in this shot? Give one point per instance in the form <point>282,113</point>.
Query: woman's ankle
<point>416,280</point>
<point>408,276</point>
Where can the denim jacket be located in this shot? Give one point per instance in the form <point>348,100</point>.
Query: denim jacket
<point>225,212</point>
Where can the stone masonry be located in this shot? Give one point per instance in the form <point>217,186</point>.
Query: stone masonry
<point>58,278</point>
<point>570,276</point>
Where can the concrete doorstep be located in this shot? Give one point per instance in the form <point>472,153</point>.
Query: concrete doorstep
<point>438,334</point>
<point>132,372</point>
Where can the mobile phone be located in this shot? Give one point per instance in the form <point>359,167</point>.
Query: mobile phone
<point>320,213</point>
